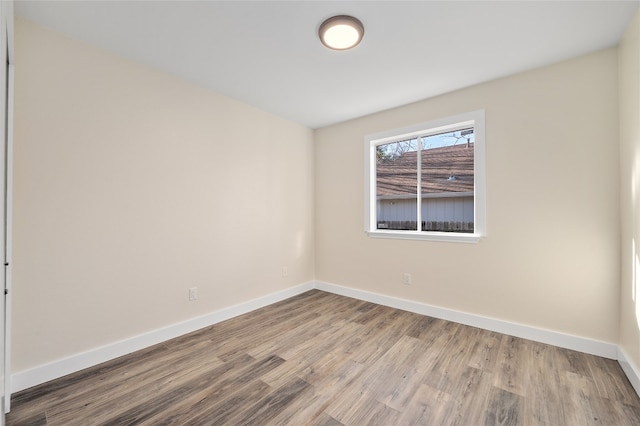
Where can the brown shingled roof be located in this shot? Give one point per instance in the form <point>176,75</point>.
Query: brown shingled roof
<point>398,176</point>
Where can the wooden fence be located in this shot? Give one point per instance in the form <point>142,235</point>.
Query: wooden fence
<point>431,225</point>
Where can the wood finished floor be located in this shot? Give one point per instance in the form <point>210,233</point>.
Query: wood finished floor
<point>323,359</point>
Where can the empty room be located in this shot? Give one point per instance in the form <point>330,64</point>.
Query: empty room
<point>320,213</point>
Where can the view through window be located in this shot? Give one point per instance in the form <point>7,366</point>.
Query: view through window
<point>425,181</point>
<point>445,164</point>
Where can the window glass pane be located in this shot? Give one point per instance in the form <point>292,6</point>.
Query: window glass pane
<point>397,185</point>
<point>447,184</point>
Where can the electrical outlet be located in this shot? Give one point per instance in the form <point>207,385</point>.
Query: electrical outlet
<point>193,293</point>
<point>406,278</point>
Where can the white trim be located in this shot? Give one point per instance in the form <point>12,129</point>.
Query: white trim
<point>9,97</point>
<point>473,118</point>
<point>630,369</point>
<point>55,369</point>
<point>480,174</point>
<point>451,237</point>
<point>568,341</point>
<point>8,307</point>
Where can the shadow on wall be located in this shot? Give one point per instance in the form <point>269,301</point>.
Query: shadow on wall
<point>635,279</point>
<point>635,260</point>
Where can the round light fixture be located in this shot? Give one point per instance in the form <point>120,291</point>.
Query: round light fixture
<point>341,32</point>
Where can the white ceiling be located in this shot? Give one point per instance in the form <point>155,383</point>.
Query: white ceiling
<point>267,53</point>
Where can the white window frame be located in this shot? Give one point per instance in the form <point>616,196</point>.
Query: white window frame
<point>433,127</point>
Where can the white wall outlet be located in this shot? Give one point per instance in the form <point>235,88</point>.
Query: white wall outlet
<point>406,278</point>
<point>285,271</point>
<point>193,293</point>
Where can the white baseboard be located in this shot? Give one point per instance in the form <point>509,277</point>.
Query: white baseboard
<point>55,369</point>
<point>630,369</point>
<point>568,341</point>
<point>59,368</point>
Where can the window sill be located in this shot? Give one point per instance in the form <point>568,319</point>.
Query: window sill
<point>451,237</point>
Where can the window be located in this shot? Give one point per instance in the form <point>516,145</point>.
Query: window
<point>427,181</point>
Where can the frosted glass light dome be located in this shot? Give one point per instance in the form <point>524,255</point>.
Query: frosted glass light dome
<point>341,32</point>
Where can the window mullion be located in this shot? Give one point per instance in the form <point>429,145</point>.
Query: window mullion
<point>419,185</point>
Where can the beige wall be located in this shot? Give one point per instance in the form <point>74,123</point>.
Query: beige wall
<point>551,257</point>
<point>629,72</point>
<point>132,186</point>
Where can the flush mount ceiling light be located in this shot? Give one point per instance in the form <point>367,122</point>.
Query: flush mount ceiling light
<point>341,32</point>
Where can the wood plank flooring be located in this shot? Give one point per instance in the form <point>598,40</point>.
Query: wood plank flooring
<point>323,359</point>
